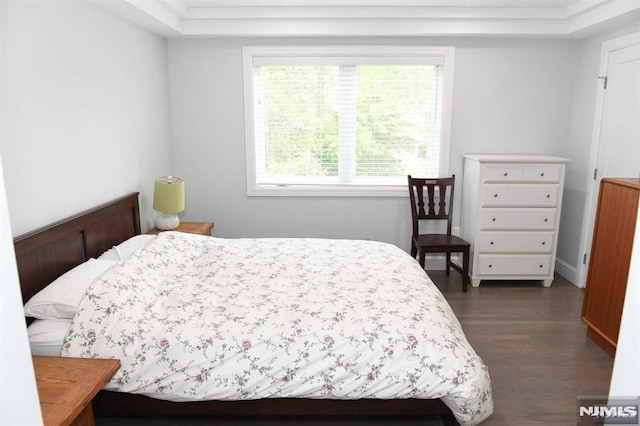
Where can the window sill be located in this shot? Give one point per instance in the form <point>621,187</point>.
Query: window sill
<point>327,191</point>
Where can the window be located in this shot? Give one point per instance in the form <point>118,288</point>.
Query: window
<point>345,120</point>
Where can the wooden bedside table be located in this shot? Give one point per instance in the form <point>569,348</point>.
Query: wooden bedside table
<point>202,228</point>
<point>66,387</point>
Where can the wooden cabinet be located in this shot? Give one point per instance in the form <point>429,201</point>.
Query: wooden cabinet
<point>610,259</point>
<point>510,215</point>
<point>202,228</point>
<point>66,387</point>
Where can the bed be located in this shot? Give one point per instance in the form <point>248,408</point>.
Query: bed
<point>337,333</point>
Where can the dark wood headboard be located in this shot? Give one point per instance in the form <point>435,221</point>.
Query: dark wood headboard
<point>46,253</point>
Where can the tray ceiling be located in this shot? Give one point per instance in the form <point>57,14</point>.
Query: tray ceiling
<point>260,18</point>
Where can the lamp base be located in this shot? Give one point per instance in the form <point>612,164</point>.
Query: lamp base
<point>167,222</point>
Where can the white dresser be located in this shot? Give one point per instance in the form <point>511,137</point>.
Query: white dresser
<point>510,215</point>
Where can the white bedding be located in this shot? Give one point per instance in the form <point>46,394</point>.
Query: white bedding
<point>200,318</point>
<point>46,336</point>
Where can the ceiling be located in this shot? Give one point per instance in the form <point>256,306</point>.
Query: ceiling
<point>301,18</point>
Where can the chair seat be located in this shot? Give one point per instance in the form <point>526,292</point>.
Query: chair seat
<point>440,242</point>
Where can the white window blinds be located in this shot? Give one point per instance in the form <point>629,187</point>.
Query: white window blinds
<point>344,121</point>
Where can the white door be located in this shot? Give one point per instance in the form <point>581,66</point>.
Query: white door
<point>618,132</point>
<point>619,148</point>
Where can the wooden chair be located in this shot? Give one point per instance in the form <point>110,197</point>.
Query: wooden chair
<point>438,191</point>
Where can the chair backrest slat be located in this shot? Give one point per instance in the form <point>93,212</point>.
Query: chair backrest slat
<point>442,188</point>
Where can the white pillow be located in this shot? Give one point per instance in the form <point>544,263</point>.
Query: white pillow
<point>47,336</point>
<point>124,250</point>
<point>61,298</point>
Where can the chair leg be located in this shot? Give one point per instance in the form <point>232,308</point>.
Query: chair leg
<point>423,254</point>
<point>465,270</point>
<point>448,266</point>
<point>414,249</point>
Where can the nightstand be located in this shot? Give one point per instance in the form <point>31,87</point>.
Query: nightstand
<point>66,387</point>
<point>202,228</point>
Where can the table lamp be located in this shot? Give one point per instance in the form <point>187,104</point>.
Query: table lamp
<point>168,199</point>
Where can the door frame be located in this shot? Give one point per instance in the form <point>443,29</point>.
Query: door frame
<point>588,218</point>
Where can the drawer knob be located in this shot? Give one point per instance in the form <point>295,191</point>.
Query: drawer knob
<point>546,219</point>
<point>544,242</point>
<point>542,174</point>
<point>506,174</point>
<point>493,220</point>
<point>490,266</point>
<point>491,243</point>
<point>541,266</point>
<point>548,195</point>
<point>495,195</point>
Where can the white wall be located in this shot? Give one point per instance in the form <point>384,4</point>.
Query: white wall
<point>18,392</point>
<point>510,95</point>
<point>17,408</point>
<point>86,108</point>
<point>84,111</point>
<point>578,147</point>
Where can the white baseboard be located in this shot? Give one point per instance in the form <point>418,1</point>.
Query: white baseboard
<point>567,271</point>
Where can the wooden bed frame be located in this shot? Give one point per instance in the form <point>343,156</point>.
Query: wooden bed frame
<point>48,252</point>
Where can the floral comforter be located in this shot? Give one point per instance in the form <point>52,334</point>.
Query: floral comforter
<point>201,318</point>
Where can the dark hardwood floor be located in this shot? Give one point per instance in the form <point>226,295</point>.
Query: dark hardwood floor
<point>534,342</point>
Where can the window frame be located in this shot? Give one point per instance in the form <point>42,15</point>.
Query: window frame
<point>444,53</point>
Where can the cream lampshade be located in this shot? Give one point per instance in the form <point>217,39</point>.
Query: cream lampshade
<point>168,199</point>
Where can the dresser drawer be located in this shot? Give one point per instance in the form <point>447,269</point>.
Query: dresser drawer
<point>519,195</point>
<point>502,173</point>
<point>494,264</point>
<point>517,219</point>
<point>522,173</point>
<point>515,242</point>
<point>541,173</point>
